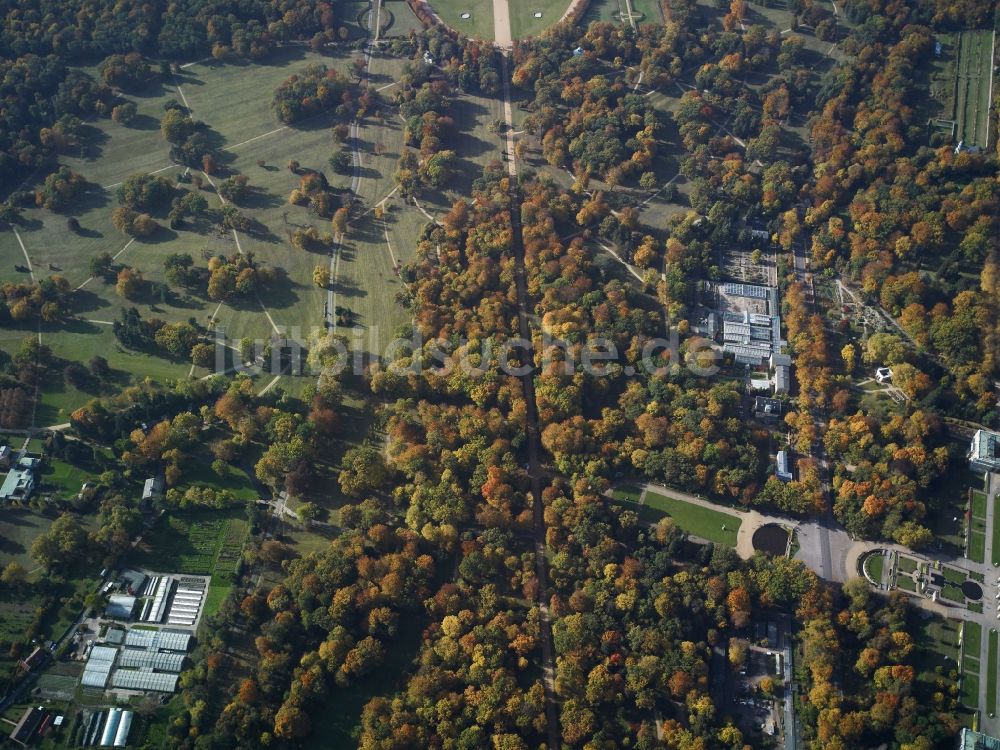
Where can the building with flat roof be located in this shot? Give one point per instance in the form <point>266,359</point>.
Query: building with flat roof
<point>782,379</point>
<point>20,480</point>
<point>152,489</point>
<point>984,451</point>
<point>970,739</point>
<point>114,636</point>
<point>783,470</point>
<point>779,359</point>
<point>766,408</point>
<point>751,322</point>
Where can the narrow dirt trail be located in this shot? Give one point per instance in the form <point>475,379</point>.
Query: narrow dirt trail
<point>535,472</point>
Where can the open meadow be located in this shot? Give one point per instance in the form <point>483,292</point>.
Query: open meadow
<point>234,100</point>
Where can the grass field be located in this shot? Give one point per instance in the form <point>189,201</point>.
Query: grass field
<point>991,675</point>
<point>603,10</point>
<point>705,523</point>
<point>874,565</point>
<point>970,690</point>
<point>18,529</point>
<point>200,474</point>
<point>972,639</point>
<point>978,504</point>
<point>937,640</point>
<point>236,106</point>
<point>977,529</point>
<point>480,22</point>
<point>401,19</point>
<point>952,593</point>
<point>627,493</point>
<point>66,478</point>
<point>953,575</point>
<point>906,564</point>
<point>906,584</point>
<point>995,554</point>
<point>977,546</point>
<point>522,16</point>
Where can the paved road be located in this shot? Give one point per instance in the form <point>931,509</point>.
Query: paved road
<point>501,28</point>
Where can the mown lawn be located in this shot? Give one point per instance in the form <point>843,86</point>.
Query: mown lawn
<point>972,639</point>
<point>627,493</point>
<point>953,575</point>
<point>480,23</point>
<point>235,480</point>
<point>875,564</point>
<point>970,690</point>
<point>996,538</point>
<point>523,23</point>
<point>977,546</point>
<point>978,504</point>
<point>991,675</point>
<point>952,593</point>
<point>705,523</point>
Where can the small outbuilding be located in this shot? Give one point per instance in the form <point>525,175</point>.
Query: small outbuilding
<point>152,489</point>
<point>883,375</point>
<point>766,408</point>
<point>782,468</point>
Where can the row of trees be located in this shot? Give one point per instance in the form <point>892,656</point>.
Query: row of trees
<point>48,299</point>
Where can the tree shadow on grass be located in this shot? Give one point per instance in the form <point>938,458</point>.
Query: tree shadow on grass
<point>349,288</point>
<point>85,301</point>
<point>153,89</point>
<point>159,237</point>
<point>10,548</point>
<point>91,140</point>
<point>368,232</point>
<point>93,196</point>
<point>78,327</point>
<point>258,199</point>
<point>143,122</point>
<point>282,293</point>
<point>321,121</point>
